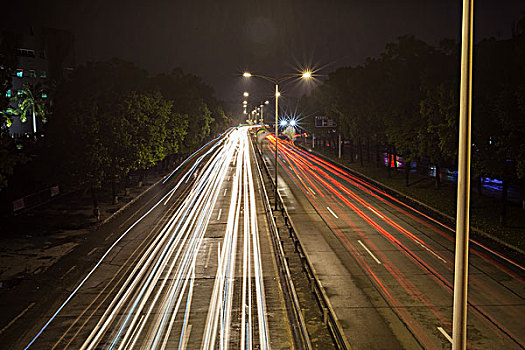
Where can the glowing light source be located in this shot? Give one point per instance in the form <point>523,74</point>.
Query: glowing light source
<point>277,94</point>
<point>266,102</point>
<point>246,94</point>
<point>284,122</point>
<point>246,74</point>
<point>307,75</point>
<point>293,122</point>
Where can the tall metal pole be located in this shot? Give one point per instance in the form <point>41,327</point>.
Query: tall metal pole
<point>459,319</point>
<point>339,146</point>
<point>262,118</point>
<point>276,137</point>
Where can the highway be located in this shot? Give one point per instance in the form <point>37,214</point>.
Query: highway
<point>194,269</point>
<point>389,268</point>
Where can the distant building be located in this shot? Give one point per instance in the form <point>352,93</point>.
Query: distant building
<point>44,57</point>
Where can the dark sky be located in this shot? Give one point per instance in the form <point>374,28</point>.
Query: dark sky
<point>218,39</point>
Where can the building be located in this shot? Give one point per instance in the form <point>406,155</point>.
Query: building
<point>44,57</point>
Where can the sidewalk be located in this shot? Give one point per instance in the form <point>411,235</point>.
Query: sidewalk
<point>33,241</point>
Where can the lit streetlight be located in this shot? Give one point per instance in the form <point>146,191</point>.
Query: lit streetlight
<point>246,94</point>
<point>276,81</point>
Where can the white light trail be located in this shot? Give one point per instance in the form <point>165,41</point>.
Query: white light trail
<point>146,304</point>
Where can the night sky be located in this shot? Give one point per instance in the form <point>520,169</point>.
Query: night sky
<point>217,40</point>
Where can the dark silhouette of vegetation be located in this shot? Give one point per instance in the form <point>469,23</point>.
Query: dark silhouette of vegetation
<point>110,119</point>
<point>406,103</point>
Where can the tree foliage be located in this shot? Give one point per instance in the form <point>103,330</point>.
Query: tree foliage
<point>407,100</point>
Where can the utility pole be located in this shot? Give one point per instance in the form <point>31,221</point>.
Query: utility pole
<point>459,318</point>
<point>276,139</point>
<point>339,146</point>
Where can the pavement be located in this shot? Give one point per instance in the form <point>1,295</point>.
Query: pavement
<point>388,269</point>
<point>171,252</point>
<point>36,239</point>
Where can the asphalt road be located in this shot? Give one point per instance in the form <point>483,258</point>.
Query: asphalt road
<point>191,267</point>
<point>387,268</point>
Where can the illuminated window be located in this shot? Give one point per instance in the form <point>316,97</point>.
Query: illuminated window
<point>32,74</point>
<point>9,93</point>
<point>20,73</point>
<point>43,74</point>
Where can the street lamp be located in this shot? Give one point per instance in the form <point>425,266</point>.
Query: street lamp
<point>246,94</point>
<point>276,81</point>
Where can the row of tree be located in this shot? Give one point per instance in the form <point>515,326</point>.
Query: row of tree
<point>110,118</point>
<point>406,103</point>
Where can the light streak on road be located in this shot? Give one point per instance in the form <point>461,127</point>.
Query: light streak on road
<point>424,243</point>
<point>150,307</point>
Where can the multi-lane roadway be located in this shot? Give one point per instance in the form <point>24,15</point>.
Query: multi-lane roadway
<point>193,268</point>
<point>387,267</point>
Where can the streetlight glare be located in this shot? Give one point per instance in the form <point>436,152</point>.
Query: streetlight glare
<point>283,122</point>
<point>246,74</point>
<point>244,102</point>
<point>277,94</point>
<point>246,94</point>
<point>293,122</point>
<point>307,74</point>
<point>266,102</point>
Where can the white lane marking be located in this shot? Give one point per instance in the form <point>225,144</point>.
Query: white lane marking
<point>68,271</point>
<point>92,251</point>
<point>381,216</point>
<point>331,211</point>
<point>369,252</point>
<point>16,318</point>
<point>108,237</point>
<point>225,190</point>
<point>433,253</point>
<point>185,339</point>
<point>219,216</point>
<point>449,338</point>
<point>208,258</point>
<point>311,190</point>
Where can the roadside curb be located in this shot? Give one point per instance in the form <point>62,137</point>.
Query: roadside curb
<point>419,203</point>
<point>125,206</point>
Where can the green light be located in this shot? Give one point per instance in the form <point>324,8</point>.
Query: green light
<point>20,73</point>
<point>8,93</point>
<point>44,95</point>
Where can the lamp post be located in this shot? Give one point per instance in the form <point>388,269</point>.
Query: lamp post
<point>459,315</point>
<point>261,121</point>
<point>276,81</point>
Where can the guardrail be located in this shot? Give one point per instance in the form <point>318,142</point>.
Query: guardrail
<point>283,263</point>
<point>329,316</point>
